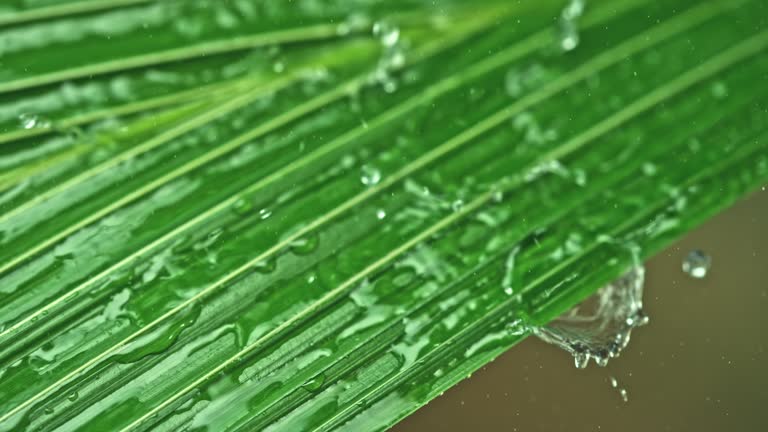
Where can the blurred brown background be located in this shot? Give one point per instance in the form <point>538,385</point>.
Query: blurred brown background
<point>700,365</point>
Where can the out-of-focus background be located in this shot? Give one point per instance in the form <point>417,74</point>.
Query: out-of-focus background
<point>701,364</point>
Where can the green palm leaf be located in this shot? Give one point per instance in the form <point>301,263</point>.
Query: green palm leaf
<point>320,215</point>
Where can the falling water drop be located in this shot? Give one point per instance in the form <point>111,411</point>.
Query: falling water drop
<point>696,264</point>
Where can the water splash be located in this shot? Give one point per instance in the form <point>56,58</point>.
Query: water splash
<point>696,264</point>
<point>599,328</point>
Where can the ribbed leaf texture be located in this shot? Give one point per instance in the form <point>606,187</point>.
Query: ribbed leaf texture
<point>319,215</point>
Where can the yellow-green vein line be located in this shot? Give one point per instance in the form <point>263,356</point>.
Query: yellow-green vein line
<point>58,11</point>
<point>322,31</point>
<point>211,91</point>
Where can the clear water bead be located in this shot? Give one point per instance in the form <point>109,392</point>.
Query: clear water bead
<point>696,264</point>
<point>387,33</point>
<point>370,175</point>
<point>32,121</point>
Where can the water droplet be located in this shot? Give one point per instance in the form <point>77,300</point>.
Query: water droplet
<point>387,33</point>
<point>48,411</point>
<point>370,176</point>
<point>72,396</point>
<point>622,391</point>
<point>457,205</point>
<point>353,23</point>
<point>719,90</point>
<point>696,264</point>
<point>278,67</point>
<point>304,246</point>
<point>242,206</point>
<point>32,121</point>
<point>569,29</point>
<point>569,40</point>
<point>264,213</point>
<point>265,266</point>
<point>314,384</point>
<point>649,169</point>
<point>581,360</point>
<point>380,214</point>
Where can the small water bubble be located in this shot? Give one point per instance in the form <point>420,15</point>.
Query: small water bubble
<point>264,213</point>
<point>569,30</point>
<point>580,177</point>
<point>624,395</point>
<point>387,33</point>
<point>649,169</point>
<point>278,67</point>
<point>370,175</point>
<point>33,121</point>
<point>457,205</point>
<point>569,39</point>
<point>353,23</point>
<point>574,9</point>
<point>389,84</point>
<point>719,90</point>
<point>72,396</point>
<point>380,214</point>
<point>696,264</point>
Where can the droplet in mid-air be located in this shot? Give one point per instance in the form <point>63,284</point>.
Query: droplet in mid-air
<point>696,264</point>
